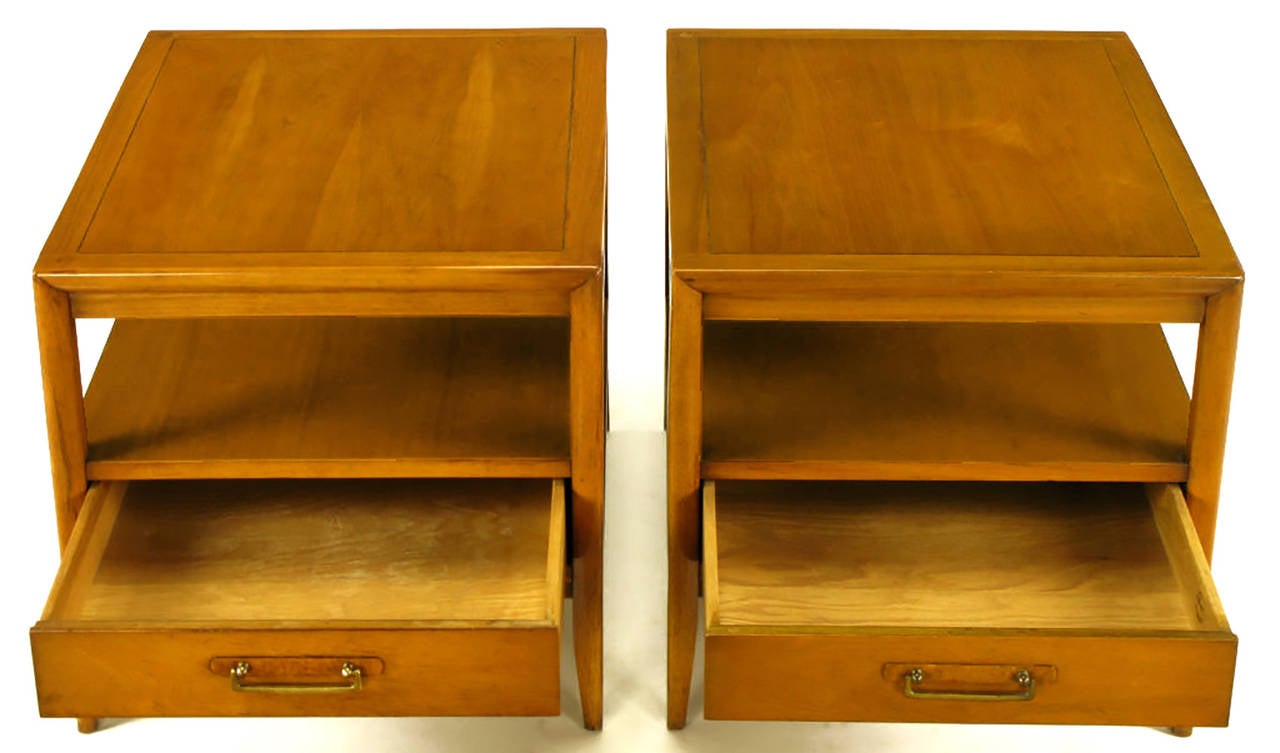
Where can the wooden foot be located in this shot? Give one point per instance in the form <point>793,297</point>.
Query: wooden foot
<point>87,724</point>
<point>1179,731</point>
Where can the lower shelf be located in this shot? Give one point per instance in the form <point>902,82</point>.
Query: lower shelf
<point>1073,603</point>
<point>308,597</point>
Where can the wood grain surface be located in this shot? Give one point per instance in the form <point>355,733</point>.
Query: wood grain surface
<point>325,160</point>
<point>923,158</point>
<point>331,397</point>
<point>457,552</point>
<point>943,555</point>
<point>1141,679</point>
<point>942,401</point>
<point>928,146</point>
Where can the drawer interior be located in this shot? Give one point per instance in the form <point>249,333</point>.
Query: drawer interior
<point>1075,603</point>
<point>488,552</point>
<point>815,556</point>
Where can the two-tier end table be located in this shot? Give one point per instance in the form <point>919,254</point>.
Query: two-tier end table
<point>343,453</point>
<point>928,450</point>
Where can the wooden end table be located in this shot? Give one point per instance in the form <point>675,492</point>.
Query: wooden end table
<point>347,433</point>
<point>927,446</point>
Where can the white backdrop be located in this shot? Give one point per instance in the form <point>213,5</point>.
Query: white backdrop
<point>1215,65</point>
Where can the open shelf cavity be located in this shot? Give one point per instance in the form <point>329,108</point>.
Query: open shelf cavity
<point>331,397</point>
<point>902,401</point>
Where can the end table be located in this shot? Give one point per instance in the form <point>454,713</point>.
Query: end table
<point>343,453</point>
<point>927,447</point>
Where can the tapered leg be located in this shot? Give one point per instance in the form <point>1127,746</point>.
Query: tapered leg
<point>587,406</point>
<point>1180,731</point>
<point>684,460</point>
<point>87,724</point>
<point>1210,401</point>
<point>63,403</point>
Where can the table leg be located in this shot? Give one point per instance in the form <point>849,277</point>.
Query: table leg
<point>587,407</point>
<point>1210,401</point>
<point>63,403</point>
<point>684,459</point>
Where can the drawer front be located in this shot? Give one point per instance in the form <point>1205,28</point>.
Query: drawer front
<point>434,672</point>
<point>971,678</point>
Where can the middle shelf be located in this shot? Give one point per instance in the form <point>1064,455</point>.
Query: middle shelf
<point>943,402</point>
<point>331,397</point>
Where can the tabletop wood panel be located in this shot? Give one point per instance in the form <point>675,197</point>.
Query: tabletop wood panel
<point>873,156</point>
<point>259,145</point>
<point>942,401</point>
<point>899,146</point>
<point>327,160</point>
<point>331,396</point>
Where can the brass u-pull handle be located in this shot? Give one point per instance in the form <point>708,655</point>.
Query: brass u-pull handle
<point>352,674</point>
<point>1025,692</point>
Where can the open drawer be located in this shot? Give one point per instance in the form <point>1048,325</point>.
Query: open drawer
<point>308,597</point>
<point>961,602</point>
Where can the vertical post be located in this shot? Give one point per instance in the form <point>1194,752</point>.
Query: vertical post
<point>64,414</point>
<point>63,403</point>
<point>684,461</point>
<point>1210,402</point>
<point>587,406</point>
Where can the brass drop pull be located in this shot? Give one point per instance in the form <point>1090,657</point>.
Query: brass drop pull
<point>1026,689</point>
<point>353,681</point>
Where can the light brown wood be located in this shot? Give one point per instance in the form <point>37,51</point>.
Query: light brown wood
<point>473,551</point>
<point>588,409</point>
<point>328,303</point>
<point>63,404</point>
<point>999,220</point>
<point>1147,680</point>
<point>817,591</point>
<point>407,163</point>
<point>1210,406</point>
<point>684,452</point>
<point>1012,121</point>
<point>947,164</point>
<point>994,308</point>
<point>146,671</point>
<point>440,183</point>
<point>446,584</point>
<point>815,555</point>
<point>1177,533</point>
<point>86,725</point>
<point>942,401</point>
<point>331,397</point>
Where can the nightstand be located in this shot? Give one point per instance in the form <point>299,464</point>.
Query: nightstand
<point>343,453</point>
<point>929,456</point>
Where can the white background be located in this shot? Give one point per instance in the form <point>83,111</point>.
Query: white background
<point>1214,64</point>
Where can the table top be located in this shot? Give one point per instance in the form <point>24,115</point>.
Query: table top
<point>343,158</point>
<point>870,157</point>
